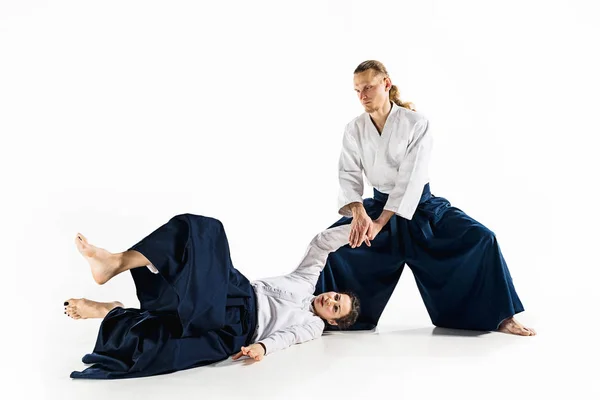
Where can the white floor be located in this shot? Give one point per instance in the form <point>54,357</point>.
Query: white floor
<point>115,116</point>
<point>405,358</point>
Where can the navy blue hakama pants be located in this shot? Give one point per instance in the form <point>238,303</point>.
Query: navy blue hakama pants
<point>197,310</point>
<point>456,261</point>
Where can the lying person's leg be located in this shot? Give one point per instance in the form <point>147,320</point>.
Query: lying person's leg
<point>105,264</point>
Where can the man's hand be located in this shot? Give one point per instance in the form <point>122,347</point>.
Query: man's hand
<point>360,226</point>
<point>375,229</point>
<point>255,351</point>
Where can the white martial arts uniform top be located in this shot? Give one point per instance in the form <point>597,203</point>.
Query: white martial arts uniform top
<point>285,312</point>
<point>395,162</point>
<point>284,303</point>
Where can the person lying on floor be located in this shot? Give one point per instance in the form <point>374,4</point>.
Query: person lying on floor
<point>196,308</point>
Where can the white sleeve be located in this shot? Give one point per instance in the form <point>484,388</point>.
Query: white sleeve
<point>412,173</point>
<point>316,254</point>
<point>349,174</point>
<point>293,335</point>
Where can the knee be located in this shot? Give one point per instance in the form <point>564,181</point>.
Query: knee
<point>213,223</point>
<point>198,220</point>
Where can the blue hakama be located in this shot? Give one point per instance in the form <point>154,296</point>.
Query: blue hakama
<point>456,261</point>
<point>197,310</point>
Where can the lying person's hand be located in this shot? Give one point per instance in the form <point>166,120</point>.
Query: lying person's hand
<point>255,351</point>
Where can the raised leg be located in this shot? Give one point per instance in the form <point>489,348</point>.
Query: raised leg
<point>104,264</point>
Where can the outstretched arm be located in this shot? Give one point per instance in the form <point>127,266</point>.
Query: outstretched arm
<point>314,259</point>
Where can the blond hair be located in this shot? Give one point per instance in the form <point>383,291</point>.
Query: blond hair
<point>380,69</point>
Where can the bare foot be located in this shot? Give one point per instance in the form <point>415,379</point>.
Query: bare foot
<point>511,325</point>
<point>84,308</point>
<point>104,264</point>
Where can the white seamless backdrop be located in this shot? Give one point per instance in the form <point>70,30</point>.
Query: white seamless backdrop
<point>117,115</point>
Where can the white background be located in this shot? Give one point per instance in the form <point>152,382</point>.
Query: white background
<point>117,115</point>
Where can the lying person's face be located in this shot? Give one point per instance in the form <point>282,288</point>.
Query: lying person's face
<point>332,305</point>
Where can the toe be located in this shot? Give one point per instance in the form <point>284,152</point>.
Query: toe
<point>74,302</point>
<point>81,242</point>
<point>78,241</point>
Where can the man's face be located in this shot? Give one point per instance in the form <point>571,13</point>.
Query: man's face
<point>372,89</point>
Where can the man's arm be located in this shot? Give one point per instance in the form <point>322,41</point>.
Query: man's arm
<point>350,175</point>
